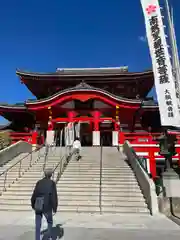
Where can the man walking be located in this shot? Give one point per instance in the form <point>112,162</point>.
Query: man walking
<point>76,148</point>
<point>44,201</point>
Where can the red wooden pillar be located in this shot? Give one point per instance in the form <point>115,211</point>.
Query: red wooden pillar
<point>71,116</point>
<point>152,163</point>
<point>71,133</point>
<point>96,115</point>
<point>34,139</point>
<point>50,125</point>
<point>121,138</point>
<point>116,126</point>
<point>178,153</point>
<point>96,132</point>
<point>115,134</point>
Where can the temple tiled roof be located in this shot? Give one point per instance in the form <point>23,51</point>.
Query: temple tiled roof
<point>122,71</point>
<point>12,106</point>
<point>116,80</point>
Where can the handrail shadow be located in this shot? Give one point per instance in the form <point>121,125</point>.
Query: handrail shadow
<point>60,167</point>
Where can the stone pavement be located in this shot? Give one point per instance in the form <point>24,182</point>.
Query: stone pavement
<point>20,226</point>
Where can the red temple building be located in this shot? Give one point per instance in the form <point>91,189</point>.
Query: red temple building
<point>106,101</point>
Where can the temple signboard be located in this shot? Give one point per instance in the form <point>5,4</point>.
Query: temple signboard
<point>168,100</point>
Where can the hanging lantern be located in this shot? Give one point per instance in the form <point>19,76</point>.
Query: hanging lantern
<point>117,113</point>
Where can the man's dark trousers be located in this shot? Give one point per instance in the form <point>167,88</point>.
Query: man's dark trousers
<point>38,222</point>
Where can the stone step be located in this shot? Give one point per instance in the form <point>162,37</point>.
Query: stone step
<point>49,162</point>
<point>84,163</point>
<point>8,183</point>
<point>94,184</point>
<point>8,180</point>
<point>105,180</point>
<point>40,166</point>
<point>29,174</point>
<point>98,169</point>
<point>91,163</point>
<point>98,163</point>
<point>117,168</point>
<point>23,178</point>
<point>25,183</point>
<point>18,188</point>
<point>121,182</point>
<point>77,198</point>
<point>103,198</point>
<point>40,169</point>
<point>25,174</point>
<point>91,172</point>
<point>62,185</point>
<point>61,189</point>
<point>62,203</point>
<point>79,194</point>
<point>87,209</point>
<point>117,210</point>
<point>95,175</point>
<point>92,189</point>
<point>103,194</point>
<point>66,209</point>
<point>87,188</point>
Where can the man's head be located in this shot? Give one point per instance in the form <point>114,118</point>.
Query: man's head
<point>48,173</point>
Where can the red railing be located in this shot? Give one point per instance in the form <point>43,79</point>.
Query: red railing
<point>138,138</point>
<point>32,138</point>
<point>26,137</point>
<point>141,137</point>
<point>145,146</point>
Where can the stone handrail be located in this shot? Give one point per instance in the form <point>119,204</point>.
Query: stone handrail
<point>145,182</point>
<point>13,151</point>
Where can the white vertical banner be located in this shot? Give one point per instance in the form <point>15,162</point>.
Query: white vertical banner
<point>115,138</point>
<point>61,138</point>
<point>66,135</point>
<point>162,68</point>
<point>77,129</point>
<point>71,133</point>
<point>50,137</point>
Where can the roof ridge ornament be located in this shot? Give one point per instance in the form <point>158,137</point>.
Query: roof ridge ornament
<point>83,85</point>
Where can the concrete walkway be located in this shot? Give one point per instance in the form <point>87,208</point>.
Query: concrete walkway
<point>20,226</point>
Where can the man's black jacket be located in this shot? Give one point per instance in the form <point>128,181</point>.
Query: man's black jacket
<point>45,187</point>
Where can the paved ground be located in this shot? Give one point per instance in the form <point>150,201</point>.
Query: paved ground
<point>20,226</point>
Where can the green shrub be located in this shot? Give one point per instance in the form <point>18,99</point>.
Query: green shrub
<point>5,139</point>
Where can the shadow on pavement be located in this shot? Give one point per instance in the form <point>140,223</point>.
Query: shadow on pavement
<point>57,233</point>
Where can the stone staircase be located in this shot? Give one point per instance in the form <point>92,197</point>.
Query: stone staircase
<point>13,173</point>
<point>12,162</point>
<point>79,186</point>
<point>17,197</point>
<point>120,190</point>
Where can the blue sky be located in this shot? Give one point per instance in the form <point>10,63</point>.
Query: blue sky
<point>43,35</point>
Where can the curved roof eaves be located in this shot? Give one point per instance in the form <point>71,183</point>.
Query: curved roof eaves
<point>13,106</point>
<point>59,74</point>
<point>85,87</point>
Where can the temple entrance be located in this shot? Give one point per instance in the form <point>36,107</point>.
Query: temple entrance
<point>106,129</point>
<point>92,131</point>
<point>85,134</point>
<point>57,135</point>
